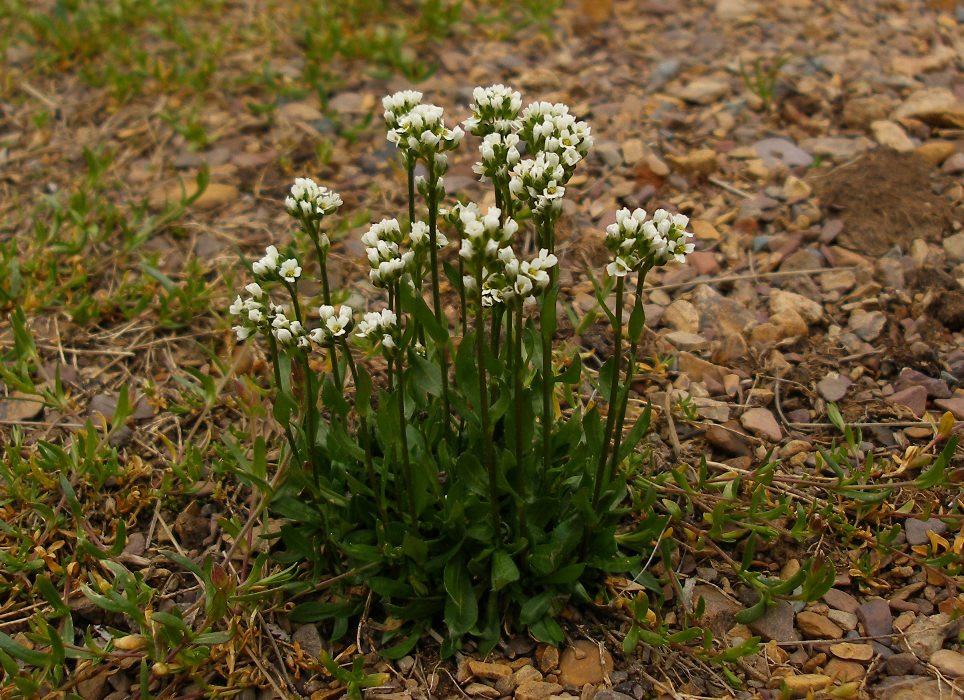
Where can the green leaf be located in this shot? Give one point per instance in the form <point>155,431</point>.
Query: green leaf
<point>752,613</point>
<point>636,433</point>
<point>547,631</point>
<point>504,570</point>
<point>935,475</point>
<point>461,606</point>
<point>28,656</point>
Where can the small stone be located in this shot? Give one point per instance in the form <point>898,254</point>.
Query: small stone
<point>844,671</point>
<point>681,315</point>
<point>868,325</point>
<point>954,405</point>
<point>876,618</point>
<point>777,624</point>
<point>852,651</point>
<point>795,189</point>
<point>916,530</point>
<point>833,387</point>
<point>760,421</point>
<point>736,10</point>
<point>727,440</point>
<point>936,388</point>
<point>547,657</point>
<point>776,150</point>
<point>936,152</point>
<point>584,662</point>
<point>488,671</point>
<point>633,151</point>
<point>405,664</point>
<point>816,626</point>
<point>309,639</point>
<point>934,105</point>
<point>699,162</point>
<point>810,310</point>
<point>925,635</point>
<point>845,620</point>
<point>954,247</point>
<point>841,600</point>
<point>481,690</point>
<point>525,674</point>
<point>704,230</point>
<point>710,409</point>
<point>690,342</point>
<point>913,397</point>
<point>948,662</point>
<point>215,195</point>
<point>954,165</point>
<point>839,281</point>
<point>803,685</point>
<point>837,147</point>
<point>704,262</point>
<point>537,690</point>
<point>861,112</point>
<point>704,91</point>
<point>889,134</point>
<point>20,406</point>
<point>901,664</point>
<point>718,610</point>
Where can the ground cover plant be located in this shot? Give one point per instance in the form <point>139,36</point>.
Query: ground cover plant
<point>779,508</point>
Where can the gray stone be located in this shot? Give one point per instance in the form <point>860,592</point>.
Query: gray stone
<point>916,530</point>
<point>876,618</point>
<point>776,150</point>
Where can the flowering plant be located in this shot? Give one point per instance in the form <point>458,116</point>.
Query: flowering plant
<point>462,476</point>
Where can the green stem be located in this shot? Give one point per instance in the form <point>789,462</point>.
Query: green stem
<point>403,435</point>
<point>516,354</point>
<point>630,370</point>
<point>366,441</point>
<point>487,457</point>
<point>437,295</point>
<point>547,378</point>
<point>310,417</point>
<point>613,393</point>
<point>272,341</point>
<point>463,301</point>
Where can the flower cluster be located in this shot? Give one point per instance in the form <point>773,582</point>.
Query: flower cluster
<point>419,238</point>
<point>499,153</point>
<point>636,241</point>
<point>514,279</point>
<point>400,103</point>
<point>495,110</point>
<point>421,133</point>
<point>539,182</point>
<point>549,128</point>
<point>271,266</point>
<point>251,312</point>
<point>380,326</point>
<point>334,326</point>
<point>482,236</point>
<point>287,332</point>
<point>382,246</point>
<point>310,201</point>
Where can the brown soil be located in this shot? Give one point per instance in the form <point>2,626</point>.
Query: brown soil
<point>884,199</point>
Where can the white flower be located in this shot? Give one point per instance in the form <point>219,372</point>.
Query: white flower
<point>618,267</point>
<point>388,342</point>
<point>254,289</point>
<point>237,307</point>
<point>242,331</point>
<point>290,270</point>
<point>267,264</point>
<point>311,202</point>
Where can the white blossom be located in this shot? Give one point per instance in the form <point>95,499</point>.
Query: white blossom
<point>310,203</point>
<point>495,110</point>
<point>268,264</point>
<point>290,270</point>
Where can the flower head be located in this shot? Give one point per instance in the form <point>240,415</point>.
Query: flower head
<point>495,110</point>
<point>309,203</point>
<point>636,241</point>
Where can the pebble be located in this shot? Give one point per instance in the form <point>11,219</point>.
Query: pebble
<point>817,626</point>
<point>844,671</point>
<point>936,152</point>
<point>810,310</point>
<point>954,247</point>
<point>215,195</point>
<point>489,671</point>
<point>913,397</point>
<point>547,656</point>
<point>760,421</point>
<point>846,621</point>
<point>584,662</point>
<point>901,664</point>
<point>876,618</point>
<point>954,405</point>
<point>868,325</point>
<point>704,91</point>
<point>916,530</point>
<point>948,662</point>
<point>681,315</point>
<point>837,147</point>
<point>926,634</point>
<point>774,151</point>
<point>936,388</point>
<point>852,651</point>
<point>889,134</point>
<point>777,624</point>
<point>691,342</point>
<point>803,685</point>
<point>537,690</point>
<point>933,105</point>
<point>833,387</point>
<point>841,600</point>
